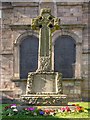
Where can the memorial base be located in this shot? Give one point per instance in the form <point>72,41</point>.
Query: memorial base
<point>45,100</point>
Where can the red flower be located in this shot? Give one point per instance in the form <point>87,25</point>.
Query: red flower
<point>47,111</point>
<point>73,105</point>
<point>7,107</point>
<point>62,109</point>
<point>67,109</point>
<point>51,110</point>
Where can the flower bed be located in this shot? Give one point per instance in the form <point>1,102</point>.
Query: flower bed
<point>13,110</point>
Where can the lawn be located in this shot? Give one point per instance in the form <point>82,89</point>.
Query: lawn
<point>58,116</point>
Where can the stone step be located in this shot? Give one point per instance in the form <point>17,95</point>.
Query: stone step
<point>45,107</point>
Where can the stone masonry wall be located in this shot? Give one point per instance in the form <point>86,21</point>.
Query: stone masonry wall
<point>73,89</point>
<point>85,53</point>
<point>69,14</point>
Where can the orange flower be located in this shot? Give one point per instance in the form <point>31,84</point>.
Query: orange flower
<point>79,109</point>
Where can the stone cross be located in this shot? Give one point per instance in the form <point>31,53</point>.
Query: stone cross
<point>46,24</point>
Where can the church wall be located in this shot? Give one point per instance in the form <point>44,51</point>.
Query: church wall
<point>85,53</point>
<point>73,89</point>
<point>21,14</point>
<point>69,14</point>
<point>0,51</point>
<point>6,49</point>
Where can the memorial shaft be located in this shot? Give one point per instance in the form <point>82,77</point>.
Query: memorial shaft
<point>45,24</point>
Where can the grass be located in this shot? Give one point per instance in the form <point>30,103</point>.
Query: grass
<point>83,104</point>
<point>59,116</point>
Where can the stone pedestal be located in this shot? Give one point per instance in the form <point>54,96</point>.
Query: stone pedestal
<point>44,88</point>
<point>44,82</point>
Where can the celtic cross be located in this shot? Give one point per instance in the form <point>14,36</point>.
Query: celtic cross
<point>46,24</point>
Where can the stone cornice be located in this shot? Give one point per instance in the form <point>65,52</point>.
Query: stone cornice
<point>6,52</point>
<point>86,51</point>
<point>72,79</point>
<point>62,26</point>
<point>69,3</point>
<point>70,26</point>
<point>20,27</point>
<point>25,4</point>
<point>6,90</point>
<point>18,80</point>
<point>64,79</point>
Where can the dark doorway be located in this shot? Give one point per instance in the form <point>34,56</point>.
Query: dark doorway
<point>28,55</point>
<point>65,56</point>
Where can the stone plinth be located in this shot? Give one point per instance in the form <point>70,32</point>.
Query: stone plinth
<point>45,100</point>
<point>44,88</point>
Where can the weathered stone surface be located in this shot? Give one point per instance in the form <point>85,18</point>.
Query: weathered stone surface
<point>23,15</point>
<point>45,100</point>
<point>7,39</point>
<point>6,67</point>
<point>73,14</point>
<point>73,89</point>
<point>7,16</point>
<point>44,82</point>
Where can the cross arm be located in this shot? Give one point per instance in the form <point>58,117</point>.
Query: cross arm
<point>55,24</point>
<point>36,23</point>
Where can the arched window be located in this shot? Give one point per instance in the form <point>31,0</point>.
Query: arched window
<point>65,55</point>
<point>28,55</point>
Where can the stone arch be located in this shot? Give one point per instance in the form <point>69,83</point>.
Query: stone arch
<point>19,38</point>
<point>58,33</point>
<point>78,40</point>
<point>17,43</point>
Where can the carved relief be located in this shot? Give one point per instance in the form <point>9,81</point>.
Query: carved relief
<point>44,64</point>
<point>29,84</point>
<point>59,82</point>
